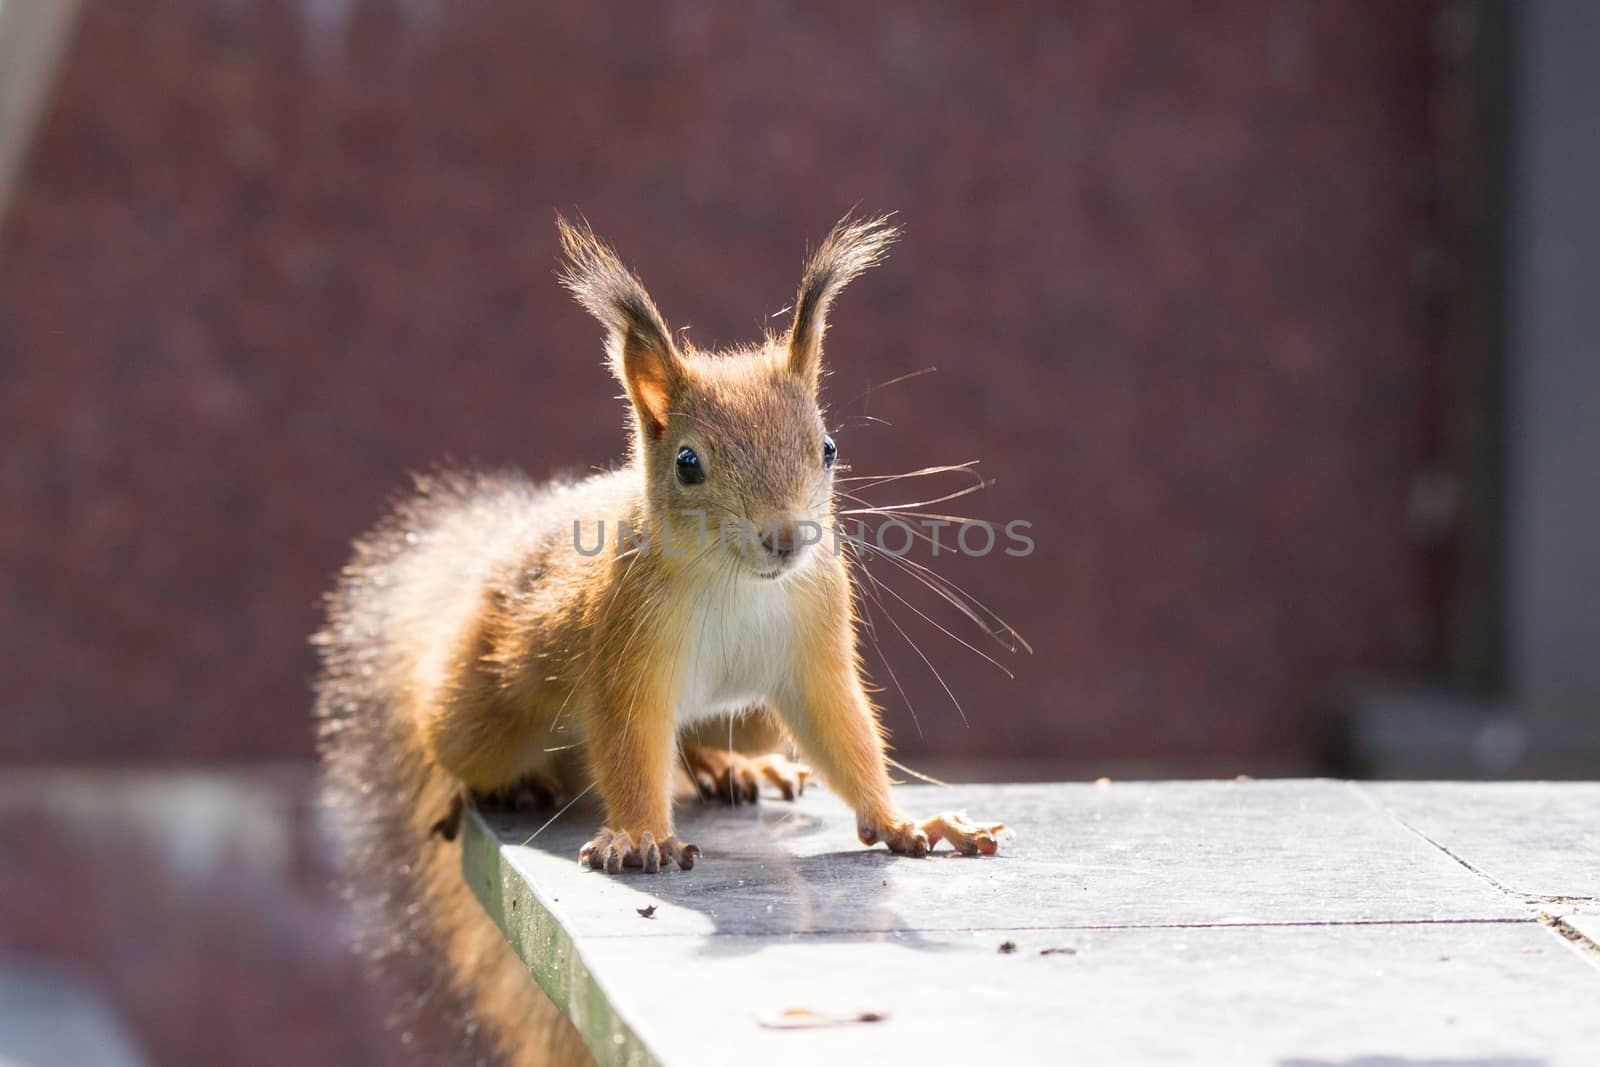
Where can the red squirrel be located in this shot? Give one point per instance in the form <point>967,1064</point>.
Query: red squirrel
<point>474,646</point>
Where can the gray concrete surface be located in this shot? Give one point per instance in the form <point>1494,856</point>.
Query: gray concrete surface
<point>1537,839</point>
<point>1283,923</point>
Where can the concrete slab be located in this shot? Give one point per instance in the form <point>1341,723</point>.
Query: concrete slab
<point>1585,919</point>
<point>1238,922</point>
<point>1537,839</point>
<point>1408,994</point>
<point>1136,854</point>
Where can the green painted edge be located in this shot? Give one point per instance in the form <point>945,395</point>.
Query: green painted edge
<point>543,944</point>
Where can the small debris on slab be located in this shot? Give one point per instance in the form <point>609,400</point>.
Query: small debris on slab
<point>805,1018</point>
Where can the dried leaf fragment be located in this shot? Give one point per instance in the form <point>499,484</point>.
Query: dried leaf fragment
<point>804,1018</point>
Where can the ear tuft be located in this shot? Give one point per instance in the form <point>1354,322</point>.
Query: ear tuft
<point>638,341</point>
<point>852,246</point>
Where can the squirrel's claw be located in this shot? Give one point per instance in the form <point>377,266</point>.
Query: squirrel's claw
<point>911,838</point>
<point>683,855</point>
<point>789,777</point>
<point>966,837</point>
<point>612,850</point>
<point>593,854</point>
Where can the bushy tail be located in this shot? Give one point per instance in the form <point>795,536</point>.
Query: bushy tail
<point>423,932</point>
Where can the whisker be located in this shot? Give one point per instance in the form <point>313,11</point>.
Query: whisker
<point>881,479</point>
<point>924,657</point>
<point>952,591</point>
<point>959,597</point>
<point>944,630</point>
<point>558,814</point>
<point>888,508</point>
<point>919,515</point>
<point>930,779</point>
<point>869,418</point>
<point>918,534</point>
<point>867,392</point>
<point>878,647</point>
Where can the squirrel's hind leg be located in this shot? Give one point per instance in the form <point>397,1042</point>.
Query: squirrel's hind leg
<point>534,791</point>
<point>728,759</point>
<point>734,778</point>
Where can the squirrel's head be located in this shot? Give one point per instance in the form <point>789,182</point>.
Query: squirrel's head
<point>732,445</point>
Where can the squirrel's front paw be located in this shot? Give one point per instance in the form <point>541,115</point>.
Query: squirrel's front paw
<point>911,838</point>
<point>612,850</point>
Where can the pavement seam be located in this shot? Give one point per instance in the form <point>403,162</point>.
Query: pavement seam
<point>1584,946</point>
<point>1286,924</point>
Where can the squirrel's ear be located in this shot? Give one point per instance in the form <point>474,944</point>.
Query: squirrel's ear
<point>637,340</point>
<point>852,247</point>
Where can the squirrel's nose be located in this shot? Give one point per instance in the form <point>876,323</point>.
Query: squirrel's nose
<point>779,539</point>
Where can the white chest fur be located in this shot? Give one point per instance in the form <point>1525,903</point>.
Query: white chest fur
<point>737,649</point>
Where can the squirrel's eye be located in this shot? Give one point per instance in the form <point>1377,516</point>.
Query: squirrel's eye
<point>689,470</point>
<point>830,451</point>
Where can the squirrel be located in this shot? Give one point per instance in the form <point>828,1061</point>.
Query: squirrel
<point>474,647</point>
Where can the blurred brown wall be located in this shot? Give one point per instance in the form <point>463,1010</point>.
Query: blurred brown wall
<point>1169,259</point>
